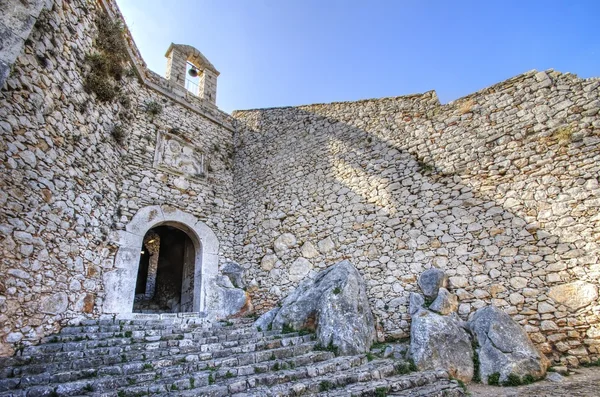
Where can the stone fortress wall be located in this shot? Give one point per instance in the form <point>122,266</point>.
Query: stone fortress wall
<point>67,184</point>
<point>500,189</point>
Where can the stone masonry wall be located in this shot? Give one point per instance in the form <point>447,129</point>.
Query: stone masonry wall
<point>500,189</point>
<point>67,181</point>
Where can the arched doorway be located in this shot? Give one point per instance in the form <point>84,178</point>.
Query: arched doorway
<point>201,257</point>
<point>165,278</point>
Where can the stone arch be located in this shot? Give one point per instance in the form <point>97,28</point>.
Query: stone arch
<point>119,284</point>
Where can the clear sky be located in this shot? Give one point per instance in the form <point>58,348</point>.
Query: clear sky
<point>290,52</point>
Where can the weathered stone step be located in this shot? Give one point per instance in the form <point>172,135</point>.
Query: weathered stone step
<point>228,381</point>
<point>159,376</point>
<point>285,384</point>
<point>77,334</point>
<point>134,361</point>
<point>138,342</point>
<point>338,378</point>
<point>416,384</point>
<point>51,352</point>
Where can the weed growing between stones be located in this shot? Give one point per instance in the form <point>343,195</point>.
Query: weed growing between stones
<point>147,366</point>
<point>370,356</point>
<point>564,134</point>
<point>466,107</point>
<point>192,382</point>
<point>591,364</point>
<point>88,387</point>
<point>379,345</point>
<point>275,367</point>
<point>381,392</point>
<point>494,379</point>
<point>326,385</point>
<point>512,380</point>
<point>337,290</point>
<point>259,370</point>
<point>119,134</point>
<point>460,383</point>
<point>287,329</point>
<point>128,334</point>
<point>403,368</point>
<point>476,375</point>
<point>425,167</point>
<point>174,387</point>
<point>211,379</point>
<point>154,108</point>
<point>106,66</point>
<point>228,375</point>
<point>329,348</point>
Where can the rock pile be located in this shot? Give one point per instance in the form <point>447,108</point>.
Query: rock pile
<point>441,340</point>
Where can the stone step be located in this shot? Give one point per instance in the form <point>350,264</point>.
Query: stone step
<point>227,382</point>
<point>416,384</point>
<point>51,352</point>
<point>81,333</point>
<point>130,379</point>
<point>119,362</point>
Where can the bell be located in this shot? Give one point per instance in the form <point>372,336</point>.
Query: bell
<point>193,72</point>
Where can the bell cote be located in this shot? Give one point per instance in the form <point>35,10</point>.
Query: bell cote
<point>188,68</point>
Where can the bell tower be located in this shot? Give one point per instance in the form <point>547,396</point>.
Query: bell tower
<point>184,64</point>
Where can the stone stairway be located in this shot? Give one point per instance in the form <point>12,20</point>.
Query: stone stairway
<point>177,355</point>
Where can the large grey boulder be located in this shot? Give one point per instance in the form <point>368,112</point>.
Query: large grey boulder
<point>441,342</point>
<point>235,273</point>
<point>430,281</point>
<point>229,300</point>
<point>335,305</point>
<point>504,347</point>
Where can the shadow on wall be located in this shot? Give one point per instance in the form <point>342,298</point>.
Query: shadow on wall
<point>367,181</point>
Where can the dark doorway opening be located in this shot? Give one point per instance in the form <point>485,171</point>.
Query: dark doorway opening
<point>166,272</point>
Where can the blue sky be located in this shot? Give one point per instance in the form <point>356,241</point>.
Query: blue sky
<point>290,52</point>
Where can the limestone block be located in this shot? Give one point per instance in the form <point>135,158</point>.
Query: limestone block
<point>268,262</point>
<point>574,295</point>
<point>283,243</point>
<point>54,304</point>
<point>326,245</point>
<point>308,250</point>
<point>299,269</point>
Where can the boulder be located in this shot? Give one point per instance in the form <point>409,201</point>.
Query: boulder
<point>430,281</point>
<point>415,302</point>
<point>334,304</point>
<point>232,301</point>
<point>266,319</point>
<point>235,273</point>
<point>445,303</point>
<point>504,347</point>
<point>441,342</point>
